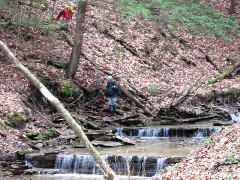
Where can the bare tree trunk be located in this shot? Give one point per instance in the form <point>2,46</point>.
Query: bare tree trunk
<point>30,11</point>
<point>231,9</point>
<point>65,114</point>
<point>78,40</point>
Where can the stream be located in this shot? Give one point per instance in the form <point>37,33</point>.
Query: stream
<point>157,148</point>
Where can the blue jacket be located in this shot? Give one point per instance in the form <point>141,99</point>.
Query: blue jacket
<point>112,89</point>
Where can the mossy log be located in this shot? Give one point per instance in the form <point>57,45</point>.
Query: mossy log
<point>226,73</point>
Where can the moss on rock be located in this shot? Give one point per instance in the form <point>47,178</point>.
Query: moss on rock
<point>69,93</point>
<point>31,135</point>
<point>49,134</point>
<point>16,120</point>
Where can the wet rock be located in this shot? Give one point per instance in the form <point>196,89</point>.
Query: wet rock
<point>41,160</point>
<point>104,138</point>
<point>94,134</point>
<point>106,143</point>
<point>164,120</point>
<point>7,173</point>
<point>174,160</point>
<point>18,167</point>
<point>4,164</point>
<point>23,153</point>
<point>126,140</point>
<point>40,145</point>
<point>68,137</point>
<point>223,123</point>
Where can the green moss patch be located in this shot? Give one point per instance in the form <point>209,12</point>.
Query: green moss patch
<point>16,121</point>
<point>49,134</point>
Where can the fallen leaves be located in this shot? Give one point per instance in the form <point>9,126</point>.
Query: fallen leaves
<point>218,161</point>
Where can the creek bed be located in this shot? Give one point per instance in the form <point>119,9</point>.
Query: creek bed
<point>154,151</point>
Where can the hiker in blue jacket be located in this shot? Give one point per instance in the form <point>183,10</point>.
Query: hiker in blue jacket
<point>112,91</point>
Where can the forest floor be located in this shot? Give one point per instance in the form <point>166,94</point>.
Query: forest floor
<point>163,65</point>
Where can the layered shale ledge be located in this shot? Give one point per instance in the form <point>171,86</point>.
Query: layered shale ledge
<point>84,164</point>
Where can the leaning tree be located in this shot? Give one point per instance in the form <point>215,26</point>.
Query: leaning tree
<point>60,108</point>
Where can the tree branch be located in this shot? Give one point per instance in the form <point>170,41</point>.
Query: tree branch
<point>60,108</point>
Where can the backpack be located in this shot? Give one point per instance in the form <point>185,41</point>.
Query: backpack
<point>112,89</point>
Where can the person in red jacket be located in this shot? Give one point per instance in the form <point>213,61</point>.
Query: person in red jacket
<point>66,15</point>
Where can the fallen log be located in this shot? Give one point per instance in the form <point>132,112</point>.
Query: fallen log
<point>226,73</point>
<point>208,59</point>
<point>186,92</point>
<point>127,46</point>
<point>137,102</point>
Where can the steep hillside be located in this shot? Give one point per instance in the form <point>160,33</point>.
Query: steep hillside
<point>217,159</point>
<point>159,63</point>
<point>147,56</point>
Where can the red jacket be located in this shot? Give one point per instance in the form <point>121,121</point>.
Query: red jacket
<point>65,13</point>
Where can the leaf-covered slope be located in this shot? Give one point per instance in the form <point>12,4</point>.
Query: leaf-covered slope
<point>218,158</point>
<point>155,60</point>
<point>146,55</point>
<point>161,56</point>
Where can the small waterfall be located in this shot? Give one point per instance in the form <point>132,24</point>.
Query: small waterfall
<point>122,165</point>
<point>28,160</point>
<point>153,132</point>
<point>64,162</point>
<point>201,133</point>
<point>161,163</point>
<point>139,169</point>
<point>116,164</point>
<point>120,132</point>
<point>166,132</point>
<point>127,164</point>
<point>235,117</point>
<point>144,166</point>
<point>85,164</point>
<point>88,164</point>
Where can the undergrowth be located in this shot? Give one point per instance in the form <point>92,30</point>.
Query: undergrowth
<point>185,14</point>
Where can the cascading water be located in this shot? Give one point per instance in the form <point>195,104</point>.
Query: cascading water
<point>122,165</point>
<point>201,133</point>
<point>235,117</point>
<point>161,163</point>
<point>119,132</point>
<point>165,132</point>
<point>139,170</point>
<point>153,132</point>
<point>64,162</point>
<point>28,159</point>
<point>145,165</point>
